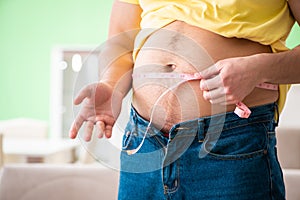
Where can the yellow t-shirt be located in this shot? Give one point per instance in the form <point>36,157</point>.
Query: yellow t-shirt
<point>264,21</point>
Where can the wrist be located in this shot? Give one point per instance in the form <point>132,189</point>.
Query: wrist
<point>264,67</point>
<point>120,88</point>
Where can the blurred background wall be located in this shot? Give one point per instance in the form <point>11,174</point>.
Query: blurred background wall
<point>28,32</point>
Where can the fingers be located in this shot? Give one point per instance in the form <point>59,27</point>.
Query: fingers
<point>89,127</point>
<point>210,84</point>
<point>84,93</point>
<point>100,128</point>
<point>213,90</point>
<point>108,131</point>
<point>76,126</point>
<point>218,96</point>
<point>209,72</point>
<point>100,125</point>
<point>104,129</point>
<point>218,93</point>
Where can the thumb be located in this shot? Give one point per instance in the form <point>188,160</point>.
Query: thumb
<point>83,93</point>
<point>209,72</point>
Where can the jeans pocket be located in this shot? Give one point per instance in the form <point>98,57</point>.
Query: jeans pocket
<point>240,142</point>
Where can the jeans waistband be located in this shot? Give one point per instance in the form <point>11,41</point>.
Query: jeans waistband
<point>211,124</point>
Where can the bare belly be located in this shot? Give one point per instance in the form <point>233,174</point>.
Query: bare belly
<point>181,48</point>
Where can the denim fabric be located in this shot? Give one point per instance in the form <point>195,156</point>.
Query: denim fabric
<point>217,157</point>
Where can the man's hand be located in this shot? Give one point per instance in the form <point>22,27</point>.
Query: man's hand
<point>101,105</point>
<point>229,81</point>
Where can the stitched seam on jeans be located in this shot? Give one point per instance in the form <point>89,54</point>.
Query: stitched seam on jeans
<point>238,126</point>
<point>242,155</point>
<point>270,171</point>
<point>237,156</point>
<point>175,189</point>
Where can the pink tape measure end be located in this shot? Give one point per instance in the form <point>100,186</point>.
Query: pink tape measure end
<point>242,110</point>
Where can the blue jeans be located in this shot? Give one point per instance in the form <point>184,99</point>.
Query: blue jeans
<point>217,157</point>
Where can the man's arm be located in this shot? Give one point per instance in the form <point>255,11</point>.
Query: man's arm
<point>223,78</point>
<point>103,100</point>
<point>116,56</point>
<point>284,67</point>
<point>295,8</point>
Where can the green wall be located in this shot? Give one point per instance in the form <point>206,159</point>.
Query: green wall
<point>294,37</point>
<point>28,31</point>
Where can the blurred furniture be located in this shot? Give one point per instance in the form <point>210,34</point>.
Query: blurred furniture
<point>288,146</point>
<point>24,128</point>
<point>26,140</point>
<point>39,150</point>
<point>58,182</point>
<point>81,182</point>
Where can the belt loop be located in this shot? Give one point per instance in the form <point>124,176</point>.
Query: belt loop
<point>276,115</point>
<point>201,132</point>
